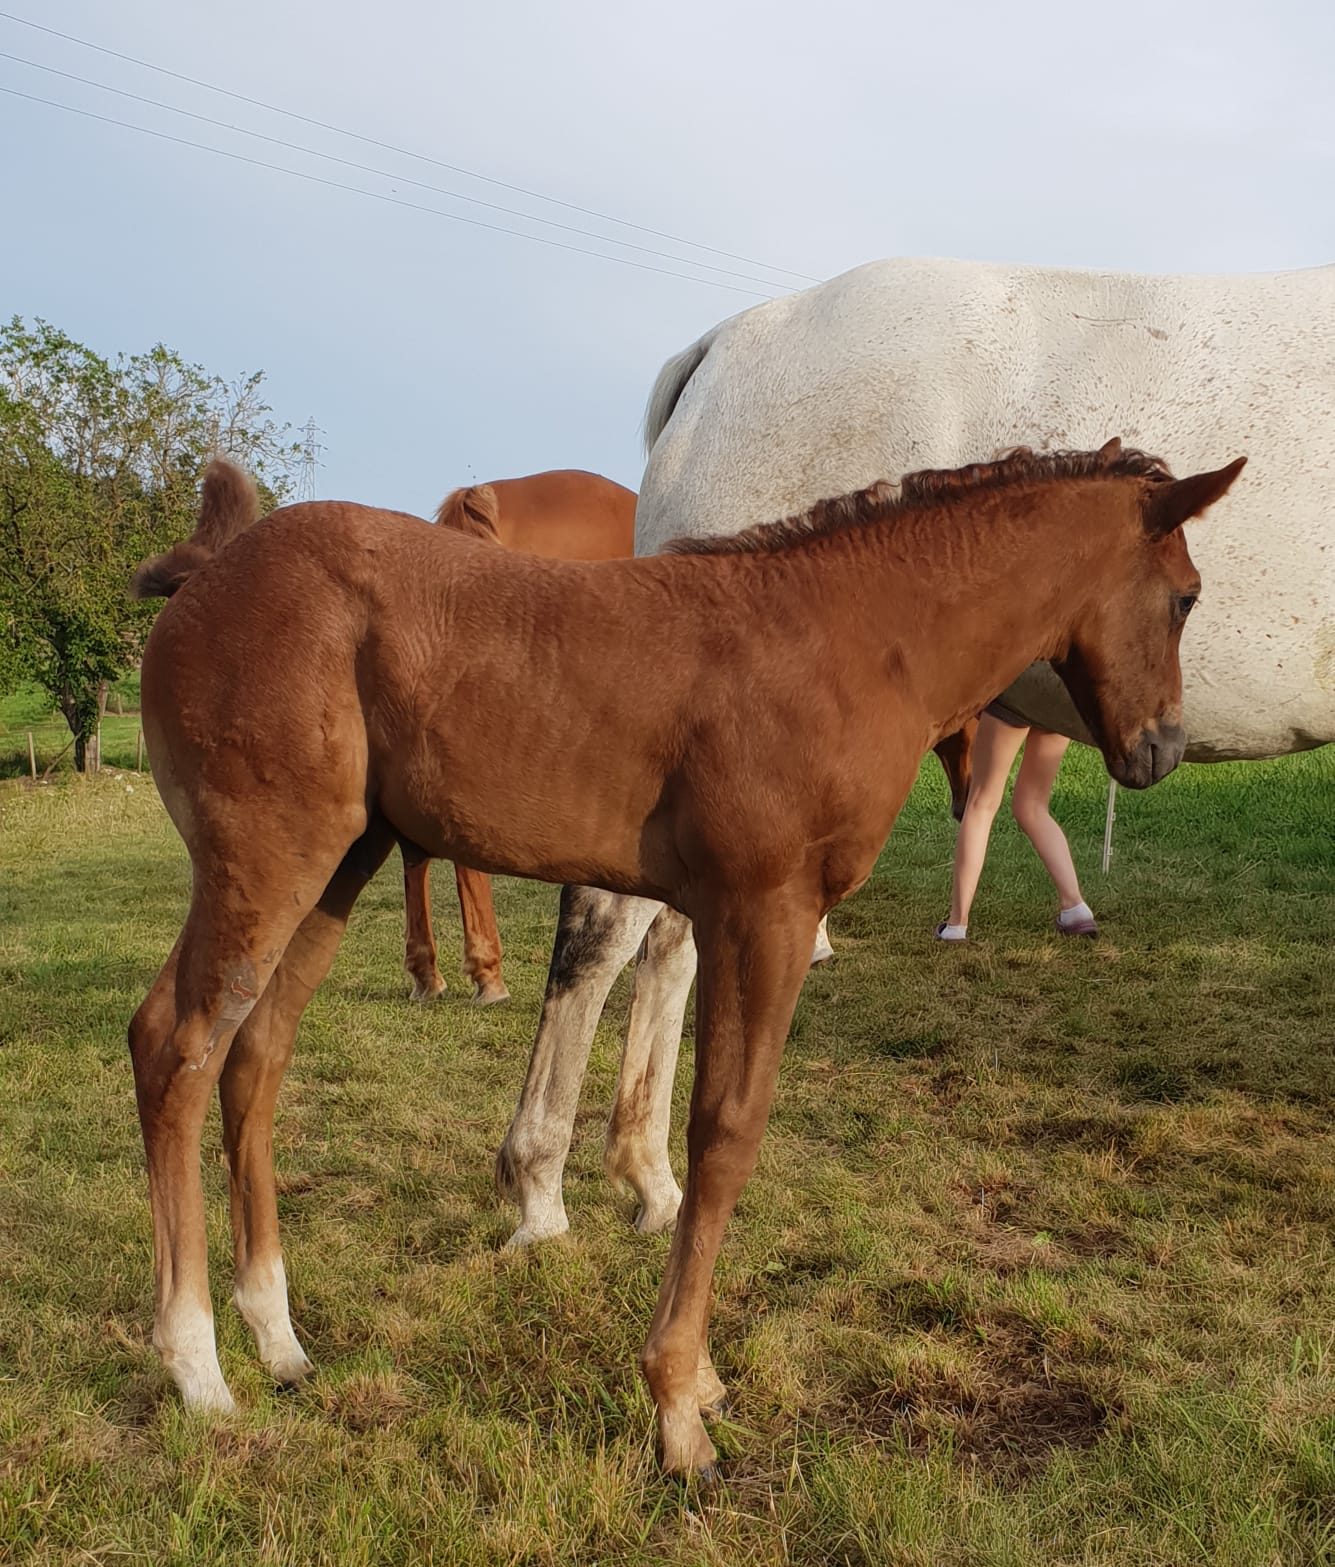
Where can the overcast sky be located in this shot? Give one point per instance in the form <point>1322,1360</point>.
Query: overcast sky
<point>1174,136</point>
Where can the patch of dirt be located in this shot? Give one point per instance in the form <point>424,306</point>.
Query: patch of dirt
<point>1009,1425</point>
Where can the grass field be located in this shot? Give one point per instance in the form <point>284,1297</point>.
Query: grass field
<point>1038,1264</point>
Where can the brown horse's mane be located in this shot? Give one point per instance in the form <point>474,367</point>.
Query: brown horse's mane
<point>926,489</point>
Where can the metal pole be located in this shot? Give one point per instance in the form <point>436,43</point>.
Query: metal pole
<point>1108,825</point>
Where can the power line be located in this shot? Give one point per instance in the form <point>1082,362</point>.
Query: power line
<point>367,168</point>
<point>405,152</point>
<point>394,201</point>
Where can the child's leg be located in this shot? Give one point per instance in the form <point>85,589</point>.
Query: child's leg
<point>994,749</point>
<point>1030,801</point>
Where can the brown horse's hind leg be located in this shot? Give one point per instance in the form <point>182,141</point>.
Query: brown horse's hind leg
<point>753,958</point>
<point>482,939</point>
<point>419,946</point>
<point>637,1133</point>
<point>596,937</point>
<point>249,1087</point>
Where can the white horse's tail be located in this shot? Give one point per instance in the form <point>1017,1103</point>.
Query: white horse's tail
<point>671,383</point>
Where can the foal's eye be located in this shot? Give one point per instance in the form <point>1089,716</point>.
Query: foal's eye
<point>1185,604</point>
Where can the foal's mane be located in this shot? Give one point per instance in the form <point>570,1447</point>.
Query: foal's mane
<point>927,489</point>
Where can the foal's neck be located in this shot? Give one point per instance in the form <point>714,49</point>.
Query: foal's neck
<point>962,598</point>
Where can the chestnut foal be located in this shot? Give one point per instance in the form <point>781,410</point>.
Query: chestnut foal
<point>338,678</point>
<point>567,514</point>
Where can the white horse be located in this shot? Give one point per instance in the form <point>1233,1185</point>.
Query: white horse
<point>910,364</point>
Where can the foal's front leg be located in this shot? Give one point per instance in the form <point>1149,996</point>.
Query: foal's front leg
<point>752,961</point>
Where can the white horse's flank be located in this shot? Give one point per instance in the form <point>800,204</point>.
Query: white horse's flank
<point>913,364</point>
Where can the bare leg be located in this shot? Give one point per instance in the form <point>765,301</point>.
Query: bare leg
<point>637,1134</point>
<point>752,963</point>
<point>249,1087</point>
<point>1030,802</point>
<point>419,948</point>
<point>482,939</point>
<point>994,751</point>
<point>596,937</point>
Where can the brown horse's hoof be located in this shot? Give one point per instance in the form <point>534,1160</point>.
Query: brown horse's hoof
<point>490,992</point>
<point>429,990</point>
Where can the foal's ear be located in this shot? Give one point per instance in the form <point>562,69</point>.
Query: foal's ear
<point>1170,505</point>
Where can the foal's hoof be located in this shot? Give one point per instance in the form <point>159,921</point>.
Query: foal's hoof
<point>211,1399</point>
<point>489,992</point>
<point>686,1448</point>
<point>292,1370</point>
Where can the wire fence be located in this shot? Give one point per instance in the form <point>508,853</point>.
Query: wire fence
<point>41,750</point>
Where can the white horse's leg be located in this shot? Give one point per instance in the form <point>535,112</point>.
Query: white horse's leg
<point>596,937</point>
<point>637,1134</point>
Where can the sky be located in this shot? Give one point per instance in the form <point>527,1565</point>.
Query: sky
<point>1179,136</point>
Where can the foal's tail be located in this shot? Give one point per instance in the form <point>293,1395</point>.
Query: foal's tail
<point>228,504</point>
<point>475,511</point>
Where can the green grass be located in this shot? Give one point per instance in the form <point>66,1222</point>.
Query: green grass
<point>1038,1264</point>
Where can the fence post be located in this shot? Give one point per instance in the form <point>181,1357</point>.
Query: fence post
<point>1108,825</point>
<point>139,751</point>
<point>32,758</point>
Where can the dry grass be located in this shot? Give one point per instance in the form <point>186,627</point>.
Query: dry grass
<point>1036,1267</point>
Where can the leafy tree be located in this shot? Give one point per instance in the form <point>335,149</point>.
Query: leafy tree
<point>99,466</point>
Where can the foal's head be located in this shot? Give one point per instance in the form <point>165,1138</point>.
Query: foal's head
<point>1121,665</point>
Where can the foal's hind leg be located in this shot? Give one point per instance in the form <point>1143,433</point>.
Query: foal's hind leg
<point>179,1040</point>
<point>596,937</point>
<point>419,945</point>
<point>637,1133</point>
<point>482,938</point>
<point>251,1078</point>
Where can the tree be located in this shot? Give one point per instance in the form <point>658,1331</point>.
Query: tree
<point>99,465</point>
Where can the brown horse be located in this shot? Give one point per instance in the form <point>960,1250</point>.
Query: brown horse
<point>520,715</point>
<point>565,514</point>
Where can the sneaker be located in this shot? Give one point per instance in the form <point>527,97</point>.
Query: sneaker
<point>945,931</point>
<point>1078,921</point>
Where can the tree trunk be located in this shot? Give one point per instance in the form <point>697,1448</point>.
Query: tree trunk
<point>84,711</point>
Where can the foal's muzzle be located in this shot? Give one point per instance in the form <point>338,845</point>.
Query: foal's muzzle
<point>1152,758</point>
